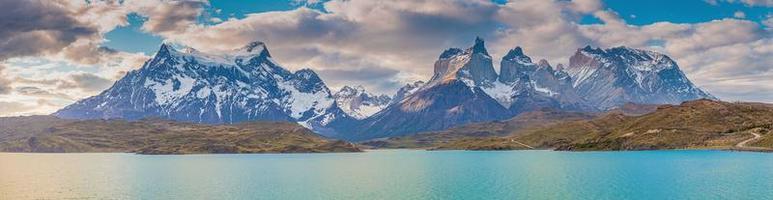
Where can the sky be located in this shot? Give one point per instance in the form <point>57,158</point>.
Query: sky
<point>55,52</point>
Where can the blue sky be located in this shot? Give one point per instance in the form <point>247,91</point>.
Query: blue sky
<point>680,11</point>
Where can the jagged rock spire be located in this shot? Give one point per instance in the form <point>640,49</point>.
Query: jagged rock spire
<point>479,47</point>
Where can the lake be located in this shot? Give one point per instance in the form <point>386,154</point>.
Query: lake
<point>392,174</point>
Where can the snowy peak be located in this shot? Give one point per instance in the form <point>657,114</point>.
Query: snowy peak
<point>255,48</point>
<point>358,103</point>
<point>182,83</point>
<point>642,60</point>
<point>255,52</point>
<point>514,66</point>
<point>517,55</point>
<point>615,76</point>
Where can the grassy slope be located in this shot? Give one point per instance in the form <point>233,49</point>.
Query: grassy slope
<point>701,124</point>
<point>448,139</point>
<point>47,134</point>
<point>694,124</point>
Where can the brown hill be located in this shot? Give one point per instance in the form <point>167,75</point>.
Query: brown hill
<point>515,126</point>
<point>703,124</point>
<point>693,124</point>
<point>50,134</point>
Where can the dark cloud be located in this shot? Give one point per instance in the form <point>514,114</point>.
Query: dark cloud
<point>90,82</point>
<point>85,82</point>
<point>378,80</point>
<point>35,27</point>
<point>172,17</point>
<point>38,92</point>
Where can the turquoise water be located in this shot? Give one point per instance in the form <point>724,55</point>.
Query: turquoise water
<point>392,174</point>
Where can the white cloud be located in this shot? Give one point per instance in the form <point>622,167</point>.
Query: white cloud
<point>739,14</point>
<point>764,3</point>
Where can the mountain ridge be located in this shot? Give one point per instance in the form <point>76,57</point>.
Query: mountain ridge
<point>246,84</point>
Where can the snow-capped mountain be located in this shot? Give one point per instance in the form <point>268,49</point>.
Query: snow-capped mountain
<point>187,85</point>
<point>607,78</point>
<point>247,84</point>
<point>358,103</point>
<point>450,98</point>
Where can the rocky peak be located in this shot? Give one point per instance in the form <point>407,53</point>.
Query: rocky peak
<point>515,65</point>
<point>614,76</point>
<point>253,48</point>
<point>478,47</point>
<point>517,54</point>
<point>451,52</point>
<point>543,64</point>
<point>472,66</point>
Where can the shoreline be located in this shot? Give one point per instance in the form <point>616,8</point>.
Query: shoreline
<point>402,149</point>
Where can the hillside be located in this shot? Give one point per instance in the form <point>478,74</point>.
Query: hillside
<point>515,126</point>
<point>28,134</point>
<point>693,124</point>
<point>701,124</point>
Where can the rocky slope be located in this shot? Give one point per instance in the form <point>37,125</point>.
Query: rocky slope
<point>153,136</point>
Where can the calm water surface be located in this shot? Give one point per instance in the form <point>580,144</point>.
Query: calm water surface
<point>392,174</point>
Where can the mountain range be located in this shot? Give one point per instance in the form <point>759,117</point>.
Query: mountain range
<point>246,84</point>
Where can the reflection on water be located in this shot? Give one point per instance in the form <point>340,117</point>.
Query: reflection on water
<point>391,174</point>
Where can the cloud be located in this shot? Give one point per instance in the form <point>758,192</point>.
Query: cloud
<point>38,27</point>
<point>38,92</point>
<point>89,82</point>
<point>5,83</point>
<point>363,76</point>
<point>169,17</point>
<point>739,14</point>
<point>764,3</point>
<point>407,36</point>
